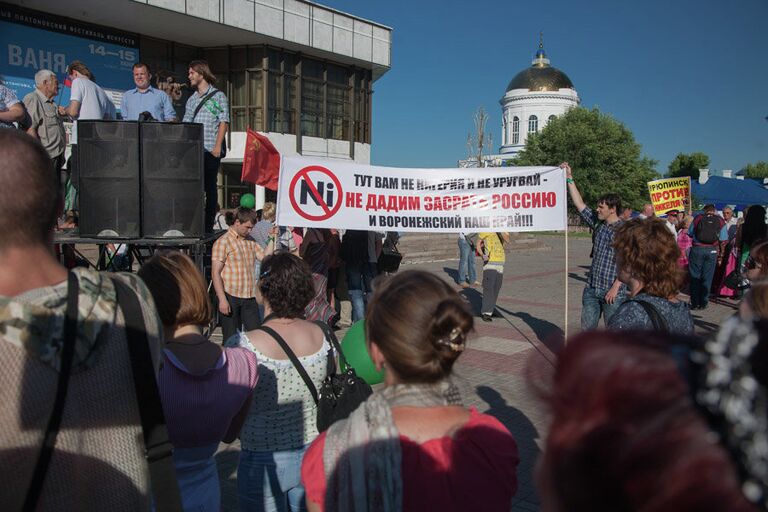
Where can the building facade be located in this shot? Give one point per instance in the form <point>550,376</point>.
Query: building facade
<point>534,97</point>
<point>297,71</point>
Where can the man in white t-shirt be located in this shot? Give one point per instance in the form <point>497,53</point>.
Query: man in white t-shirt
<point>87,101</point>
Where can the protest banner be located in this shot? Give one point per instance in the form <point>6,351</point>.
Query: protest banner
<point>670,194</point>
<point>316,192</point>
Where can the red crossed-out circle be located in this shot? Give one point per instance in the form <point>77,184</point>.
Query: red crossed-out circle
<point>304,173</point>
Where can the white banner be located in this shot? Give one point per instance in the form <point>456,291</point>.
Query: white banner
<point>316,192</point>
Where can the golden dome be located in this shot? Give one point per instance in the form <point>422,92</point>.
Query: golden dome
<point>540,76</point>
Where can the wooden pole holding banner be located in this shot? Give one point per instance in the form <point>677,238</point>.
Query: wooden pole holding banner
<point>565,328</point>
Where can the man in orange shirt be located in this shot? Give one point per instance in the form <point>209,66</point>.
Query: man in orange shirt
<point>234,276</point>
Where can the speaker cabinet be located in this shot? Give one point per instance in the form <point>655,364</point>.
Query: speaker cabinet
<point>107,169</point>
<point>172,180</point>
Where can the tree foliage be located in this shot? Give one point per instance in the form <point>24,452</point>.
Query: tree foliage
<point>688,165</point>
<point>602,152</point>
<point>756,170</point>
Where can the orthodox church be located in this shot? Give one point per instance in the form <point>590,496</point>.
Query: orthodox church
<point>535,96</point>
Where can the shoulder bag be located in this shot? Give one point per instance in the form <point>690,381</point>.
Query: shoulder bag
<point>341,392</point>
<point>657,320</point>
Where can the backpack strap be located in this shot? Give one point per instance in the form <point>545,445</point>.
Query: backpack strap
<point>204,101</point>
<point>158,449</point>
<point>657,320</point>
<point>294,360</point>
<point>54,422</point>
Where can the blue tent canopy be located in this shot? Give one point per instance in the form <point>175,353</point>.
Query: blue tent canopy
<point>729,191</point>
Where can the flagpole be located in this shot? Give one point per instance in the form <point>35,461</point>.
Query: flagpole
<point>565,329</point>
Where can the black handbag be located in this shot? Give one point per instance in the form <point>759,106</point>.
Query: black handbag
<point>736,280</point>
<point>390,258</point>
<point>341,392</point>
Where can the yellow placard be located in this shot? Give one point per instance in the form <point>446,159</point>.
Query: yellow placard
<point>670,194</point>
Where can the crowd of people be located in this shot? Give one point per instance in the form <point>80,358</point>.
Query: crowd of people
<point>644,415</point>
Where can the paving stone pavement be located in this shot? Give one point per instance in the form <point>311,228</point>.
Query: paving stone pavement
<point>507,362</point>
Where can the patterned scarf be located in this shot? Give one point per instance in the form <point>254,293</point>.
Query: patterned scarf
<point>362,458</point>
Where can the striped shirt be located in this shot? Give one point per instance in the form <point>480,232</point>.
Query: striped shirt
<point>239,255</point>
<point>199,407</point>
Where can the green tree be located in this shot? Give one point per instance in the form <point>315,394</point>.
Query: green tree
<point>688,165</point>
<point>602,152</point>
<point>756,170</point>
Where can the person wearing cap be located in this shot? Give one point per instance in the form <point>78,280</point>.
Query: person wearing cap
<point>671,222</point>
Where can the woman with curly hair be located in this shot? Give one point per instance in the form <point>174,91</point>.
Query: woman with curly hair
<point>281,422</point>
<point>646,258</point>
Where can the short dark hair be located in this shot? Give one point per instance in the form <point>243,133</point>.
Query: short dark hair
<point>286,284</point>
<point>709,208</point>
<point>243,215</point>
<point>30,198</point>
<point>142,65</point>
<point>610,200</point>
<point>201,66</point>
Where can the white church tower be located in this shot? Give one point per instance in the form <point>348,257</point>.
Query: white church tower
<point>533,97</point>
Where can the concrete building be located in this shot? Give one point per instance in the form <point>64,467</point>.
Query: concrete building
<point>295,70</point>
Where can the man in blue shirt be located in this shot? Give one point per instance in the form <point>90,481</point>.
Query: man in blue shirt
<point>710,235</point>
<point>145,98</point>
<point>604,292</point>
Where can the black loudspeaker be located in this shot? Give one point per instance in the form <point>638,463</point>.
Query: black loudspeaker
<point>172,194</point>
<point>107,166</point>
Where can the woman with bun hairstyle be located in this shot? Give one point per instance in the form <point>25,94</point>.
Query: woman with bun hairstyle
<point>413,445</point>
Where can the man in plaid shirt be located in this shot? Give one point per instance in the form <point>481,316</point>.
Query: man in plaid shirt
<point>234,274</point>
<point>604,292</point>
<point>210,107</point>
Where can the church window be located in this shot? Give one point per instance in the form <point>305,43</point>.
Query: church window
<point>551,118</point>
<point>533,124</point>
<point>515,130</point>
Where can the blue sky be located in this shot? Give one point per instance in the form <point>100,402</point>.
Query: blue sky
<point>683,75</point>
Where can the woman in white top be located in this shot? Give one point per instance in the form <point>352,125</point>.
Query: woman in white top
<point>281,423</point>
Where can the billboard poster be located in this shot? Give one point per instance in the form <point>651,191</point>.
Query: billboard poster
<point>31,40</point>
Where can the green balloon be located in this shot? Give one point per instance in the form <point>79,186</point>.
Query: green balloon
<point>248,201</point>
<point>356,351</point>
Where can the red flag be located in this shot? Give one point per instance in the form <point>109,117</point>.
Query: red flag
<point>67,81</point>
<point>261,161</point>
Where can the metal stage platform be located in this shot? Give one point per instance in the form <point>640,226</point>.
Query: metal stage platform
<point>140,249</point>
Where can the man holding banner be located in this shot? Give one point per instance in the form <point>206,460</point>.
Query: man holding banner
<point>604,292</point>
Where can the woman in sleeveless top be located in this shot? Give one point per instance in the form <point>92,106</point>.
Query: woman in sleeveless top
<point>281,422</point>
<point>205,390</point>
<point>413,445</point>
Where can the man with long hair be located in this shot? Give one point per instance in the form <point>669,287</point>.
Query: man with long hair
<point>208,106</point>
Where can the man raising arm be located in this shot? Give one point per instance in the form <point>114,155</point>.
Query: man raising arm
<point>604,293</point>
